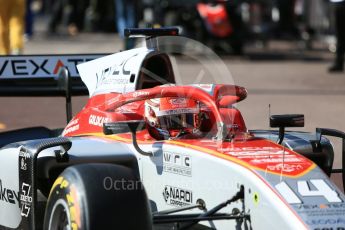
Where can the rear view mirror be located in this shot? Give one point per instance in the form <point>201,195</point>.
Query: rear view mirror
<point>126,127</point>
<point>287,120</point>
<point>123,127</point>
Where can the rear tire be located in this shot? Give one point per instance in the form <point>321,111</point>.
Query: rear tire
<point>97,196</point>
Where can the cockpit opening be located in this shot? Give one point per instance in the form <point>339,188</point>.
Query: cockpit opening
<point>156,70</point>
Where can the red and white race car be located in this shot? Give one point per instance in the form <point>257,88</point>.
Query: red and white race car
<point>145,153</point>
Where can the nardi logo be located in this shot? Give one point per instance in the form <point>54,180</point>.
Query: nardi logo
<point>177,196</point>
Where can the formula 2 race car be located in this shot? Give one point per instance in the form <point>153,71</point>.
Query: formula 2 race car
<point>145,153</point>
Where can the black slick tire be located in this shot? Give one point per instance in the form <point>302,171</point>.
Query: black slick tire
<point>97,196</point>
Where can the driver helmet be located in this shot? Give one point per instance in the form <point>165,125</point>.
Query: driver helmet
<point>171,117</point>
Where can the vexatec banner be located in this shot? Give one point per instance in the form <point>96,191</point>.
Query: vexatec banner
<point>41,66</point>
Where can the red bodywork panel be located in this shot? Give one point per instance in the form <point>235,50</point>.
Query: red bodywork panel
<point>244,149</point>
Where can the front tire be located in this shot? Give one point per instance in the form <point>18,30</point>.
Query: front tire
<point>82,198</point>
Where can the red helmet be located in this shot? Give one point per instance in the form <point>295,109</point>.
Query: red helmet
<point>169,117</point>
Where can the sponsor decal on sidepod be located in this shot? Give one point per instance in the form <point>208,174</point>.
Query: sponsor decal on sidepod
<point>8,195</point>
<point>177,196</point>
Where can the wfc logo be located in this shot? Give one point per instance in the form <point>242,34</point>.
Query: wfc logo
<point>177,163</point>
<point>40,66</point>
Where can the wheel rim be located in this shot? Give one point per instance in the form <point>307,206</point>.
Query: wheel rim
<point>60,218</point>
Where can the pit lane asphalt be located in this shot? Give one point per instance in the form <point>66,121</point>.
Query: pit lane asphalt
<point>291,80</point>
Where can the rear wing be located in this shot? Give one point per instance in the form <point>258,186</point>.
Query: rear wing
<point>46,75</point>
<point>40,75</point>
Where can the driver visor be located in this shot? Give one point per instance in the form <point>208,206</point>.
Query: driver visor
<point>178,121</point>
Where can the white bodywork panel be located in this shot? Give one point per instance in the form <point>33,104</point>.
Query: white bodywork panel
<point>215,181</point>
<point>9,189</point>
<point>191,174</point>
<point>114,73</point>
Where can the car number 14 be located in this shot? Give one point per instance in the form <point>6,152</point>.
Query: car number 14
<point>322,189</point>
